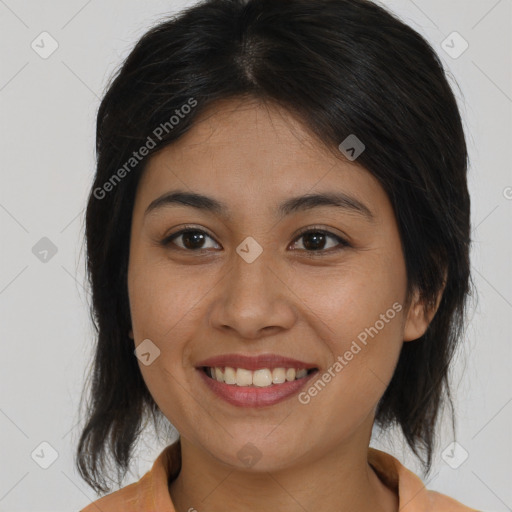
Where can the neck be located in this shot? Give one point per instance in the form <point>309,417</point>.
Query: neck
<point>339,479</point>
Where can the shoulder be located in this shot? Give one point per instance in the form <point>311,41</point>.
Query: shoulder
<point>441,502</point>
<point>412,493</point>
<point>126,499</point>
<point>151,492</point>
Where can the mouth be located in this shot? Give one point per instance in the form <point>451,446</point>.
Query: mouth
<point>246,381</point>
<point>263,377</point>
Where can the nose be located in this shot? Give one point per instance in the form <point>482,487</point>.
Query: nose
<point>253,299</point>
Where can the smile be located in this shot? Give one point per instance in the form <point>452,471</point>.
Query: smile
<point>263,377</point>
<point>254,381</point>
<point>253,395</point>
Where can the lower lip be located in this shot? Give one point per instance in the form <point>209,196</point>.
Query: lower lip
<point>253,396</point>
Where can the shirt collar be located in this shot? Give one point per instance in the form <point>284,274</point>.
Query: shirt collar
<point>412,493</point>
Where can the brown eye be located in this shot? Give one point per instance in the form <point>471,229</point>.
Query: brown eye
<point>315,240</point>
<point>191,239</point>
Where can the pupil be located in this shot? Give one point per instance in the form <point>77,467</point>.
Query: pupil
<point>318,240</point>
<point>192,240</point>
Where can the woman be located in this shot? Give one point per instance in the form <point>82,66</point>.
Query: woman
<point>278,246</point>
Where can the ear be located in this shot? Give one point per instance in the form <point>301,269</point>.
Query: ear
<point>420,315</point>
<point>130,333</point>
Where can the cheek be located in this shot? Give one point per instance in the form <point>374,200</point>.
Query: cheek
<point>165,382</point>
<point>361,312</point>
<point>165,307</point>
<point>351,297</point>
<point>161,297</point>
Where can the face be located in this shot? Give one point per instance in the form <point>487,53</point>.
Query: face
<point>265,276</point>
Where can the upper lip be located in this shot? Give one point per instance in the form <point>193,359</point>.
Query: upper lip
<point>254,362</point>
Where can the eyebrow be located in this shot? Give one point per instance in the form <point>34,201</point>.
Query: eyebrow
<point>201,202</point>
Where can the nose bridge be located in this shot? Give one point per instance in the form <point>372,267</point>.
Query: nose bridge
<point>253,297</point>
<point>251,282</point>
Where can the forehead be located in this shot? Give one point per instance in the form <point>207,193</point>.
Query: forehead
<point>247,152</point>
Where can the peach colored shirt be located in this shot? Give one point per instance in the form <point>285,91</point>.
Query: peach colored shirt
<point>151,492</point>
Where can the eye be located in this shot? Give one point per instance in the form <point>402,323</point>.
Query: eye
<point>192,239</point>
<point>315,240</point>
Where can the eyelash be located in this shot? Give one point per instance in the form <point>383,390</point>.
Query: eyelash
<point>168,240</point>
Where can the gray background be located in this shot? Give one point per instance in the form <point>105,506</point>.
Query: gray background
<point>48,109</point>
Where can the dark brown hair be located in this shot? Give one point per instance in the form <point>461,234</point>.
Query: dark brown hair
<point>342,67</point>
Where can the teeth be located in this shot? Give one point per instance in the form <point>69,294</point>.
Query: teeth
<point>278,375</point>
<point>229,375</point>
<point>243,377</point>
<point>260,378</point>
<point>301,373</point>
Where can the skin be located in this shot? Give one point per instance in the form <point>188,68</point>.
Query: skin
<point>193,306</point>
